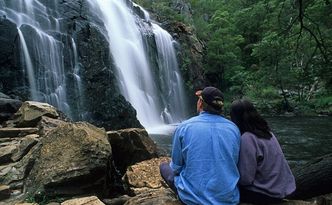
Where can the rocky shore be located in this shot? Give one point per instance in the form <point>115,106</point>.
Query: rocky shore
<point>47,159</point>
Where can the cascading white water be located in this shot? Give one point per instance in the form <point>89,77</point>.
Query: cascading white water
<point>28,65</point>
<point>149,79</point>
<point>78,81</point>
<point>171,83</point>
<point>155,104</point>
<point>170,78</point>
<point>46,72</point>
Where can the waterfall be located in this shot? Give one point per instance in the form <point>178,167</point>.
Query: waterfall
<point>78,81</point>
<point>146,69</point>
<point>28,65</point>
<point>170,78</point>
<point>45,72</point>
<point>157,100</point>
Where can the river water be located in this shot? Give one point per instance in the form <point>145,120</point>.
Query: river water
<point>301,138</point>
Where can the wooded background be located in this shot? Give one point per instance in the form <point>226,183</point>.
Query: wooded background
<point>277,53</point>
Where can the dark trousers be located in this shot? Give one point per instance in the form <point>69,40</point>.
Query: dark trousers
<point>247,196</point>
<point>167,174</point>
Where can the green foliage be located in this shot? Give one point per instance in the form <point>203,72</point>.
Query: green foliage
<point>162,9</point>
<point>269,52</point>
<point>323,104</point>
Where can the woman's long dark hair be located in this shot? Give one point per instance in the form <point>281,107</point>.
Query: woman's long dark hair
<point>246,117</point>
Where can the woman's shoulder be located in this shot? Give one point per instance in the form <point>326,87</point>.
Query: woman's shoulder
<point>249,134</point>
<point>249,137</point>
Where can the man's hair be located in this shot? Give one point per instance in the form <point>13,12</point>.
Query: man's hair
<point>212,99</point>
<point>208,108</point>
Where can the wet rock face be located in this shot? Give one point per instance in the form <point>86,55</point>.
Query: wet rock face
<point>100,102</point>
<point>8,107</point>
<point>105,106</point>
<point>191,48</point>
<point>11,75</point>
<point>131,146</point>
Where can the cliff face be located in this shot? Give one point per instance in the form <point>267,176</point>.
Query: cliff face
<point>176,18</point>
<point>10,73</point>
<point>75,55</point>
<point>102,104</point>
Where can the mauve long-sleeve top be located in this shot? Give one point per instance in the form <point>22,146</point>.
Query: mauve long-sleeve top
<point>263,167</point>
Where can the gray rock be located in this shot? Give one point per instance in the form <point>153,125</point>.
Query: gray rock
<point>46,124</point>
<point>6,153</point>
<point>2,95</point>
<point>92,200</point>
<point>155,197</point>
<point>72,160</point>
<point>31,112</point>
<point>8,132</point>
<point>4,192</point>
<point>14,174</point>
<point>131,146</point>
<point>24,147</point>
<point>8,107</point>
<point>117,201</point>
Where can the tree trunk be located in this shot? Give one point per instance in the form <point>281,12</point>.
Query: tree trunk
<point>314,178</point>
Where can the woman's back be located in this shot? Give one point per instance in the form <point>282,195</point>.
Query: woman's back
<point>265,176</point>
<point>263,167</point>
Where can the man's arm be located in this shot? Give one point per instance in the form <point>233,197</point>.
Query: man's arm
<point>177,158</point>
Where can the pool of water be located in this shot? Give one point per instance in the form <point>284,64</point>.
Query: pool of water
<point>301,138</point>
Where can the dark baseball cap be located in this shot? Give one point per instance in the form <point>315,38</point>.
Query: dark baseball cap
<point>211,96</point>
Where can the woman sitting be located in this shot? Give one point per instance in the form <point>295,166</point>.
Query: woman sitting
<point>265,176</point>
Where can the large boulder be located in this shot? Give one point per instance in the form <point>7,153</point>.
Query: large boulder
<point>30,113</point>
<point>73,159</point>
<point>131,146</point>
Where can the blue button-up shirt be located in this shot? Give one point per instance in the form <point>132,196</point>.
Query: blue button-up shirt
<point>204,158</point>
